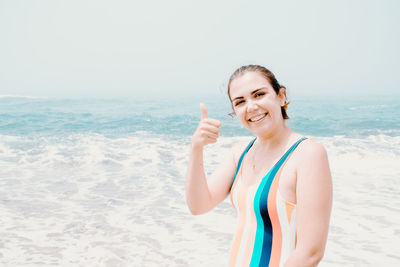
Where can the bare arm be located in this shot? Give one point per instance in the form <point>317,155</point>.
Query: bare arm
<point>314,203</point>
<point>204,194</point>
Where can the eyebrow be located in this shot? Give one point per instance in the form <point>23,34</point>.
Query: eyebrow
<point>258,89</point>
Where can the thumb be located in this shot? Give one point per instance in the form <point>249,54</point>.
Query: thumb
<point>203,111</point>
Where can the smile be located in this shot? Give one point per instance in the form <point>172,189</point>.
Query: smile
<point>258,117</point>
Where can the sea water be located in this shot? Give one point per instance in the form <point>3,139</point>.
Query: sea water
<point>101,182</point>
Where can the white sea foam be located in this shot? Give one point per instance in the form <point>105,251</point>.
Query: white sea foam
<point>90,200</point>
<point>364,229</point>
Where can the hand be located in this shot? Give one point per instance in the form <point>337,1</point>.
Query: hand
<point>208,130</point>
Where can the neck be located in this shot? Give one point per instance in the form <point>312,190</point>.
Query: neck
<point>275,139</point>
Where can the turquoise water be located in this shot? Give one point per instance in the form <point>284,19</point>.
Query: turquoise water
<point>119,117</point>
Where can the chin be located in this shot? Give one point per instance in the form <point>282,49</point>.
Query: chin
<point>262,130</point>
<point>258,131</point>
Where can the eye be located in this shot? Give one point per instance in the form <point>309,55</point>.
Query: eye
<point>237,103</point>
<point>258,94</point>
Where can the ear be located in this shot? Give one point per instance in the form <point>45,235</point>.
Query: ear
<point>282,96</point>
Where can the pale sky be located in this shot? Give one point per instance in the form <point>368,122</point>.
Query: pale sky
<point>99,48</point>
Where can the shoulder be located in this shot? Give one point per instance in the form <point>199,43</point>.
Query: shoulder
<point>310,150</point>
<point>313,162</point>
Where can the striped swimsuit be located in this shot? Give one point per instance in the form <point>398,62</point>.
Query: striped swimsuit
<point>266,232</point>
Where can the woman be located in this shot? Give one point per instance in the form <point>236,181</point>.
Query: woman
<point>280,182</point>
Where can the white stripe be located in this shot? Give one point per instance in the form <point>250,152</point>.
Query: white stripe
<point>288,230</point>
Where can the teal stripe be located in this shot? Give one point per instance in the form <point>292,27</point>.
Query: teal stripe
<point>258,243</point>
<point>257,249</point>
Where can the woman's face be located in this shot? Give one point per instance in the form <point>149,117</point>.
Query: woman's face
<point>256,104</point>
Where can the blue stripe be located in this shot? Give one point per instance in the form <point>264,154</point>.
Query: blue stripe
<point>257,249</point>
<point>263,241</point>
<point>255,258</point>
<point>267,226</point>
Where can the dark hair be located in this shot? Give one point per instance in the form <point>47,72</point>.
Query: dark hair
<point>267,74</point>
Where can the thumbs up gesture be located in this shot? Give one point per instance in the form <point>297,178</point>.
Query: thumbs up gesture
<point>208,130</point>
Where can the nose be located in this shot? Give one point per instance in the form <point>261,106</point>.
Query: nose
<point>251,105</point>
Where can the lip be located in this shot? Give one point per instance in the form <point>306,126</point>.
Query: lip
<point>257,117</point>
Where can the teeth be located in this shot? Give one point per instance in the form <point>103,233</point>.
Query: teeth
<point>257,118</point>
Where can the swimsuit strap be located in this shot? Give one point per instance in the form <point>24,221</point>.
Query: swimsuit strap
<point>278,164</point>
<point>241,158</point>
<point>290,150</point>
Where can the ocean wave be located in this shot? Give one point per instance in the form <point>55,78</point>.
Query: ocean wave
<point>370,144</point>
<point>78,149</point>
